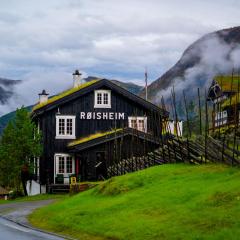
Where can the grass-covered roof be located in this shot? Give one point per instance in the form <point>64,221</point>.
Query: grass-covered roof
<point>231,100</point>
<point>228,83</point>
<point>93,136</point>
<point>64,94</point>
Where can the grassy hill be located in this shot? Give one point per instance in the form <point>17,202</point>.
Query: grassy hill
<point>165,202</point>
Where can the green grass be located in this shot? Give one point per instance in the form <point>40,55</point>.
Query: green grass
<point>64,94</point>
<point>165,202</point>
<point>228,82</point>
<point>34,198</point>
<point>93,136</point>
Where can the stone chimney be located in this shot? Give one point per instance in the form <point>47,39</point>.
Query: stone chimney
<point>77,79</point>
<point>43,96</point>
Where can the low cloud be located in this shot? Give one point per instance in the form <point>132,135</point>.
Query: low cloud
<point>215,57</point>
<point>43,43</point>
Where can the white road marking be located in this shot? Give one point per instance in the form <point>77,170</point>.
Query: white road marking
<point>17,228</point>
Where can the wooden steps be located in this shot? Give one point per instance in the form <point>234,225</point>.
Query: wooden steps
<point>59,188</point>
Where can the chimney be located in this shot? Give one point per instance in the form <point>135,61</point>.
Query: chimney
<point>43,96</point>
<point>77,80</point>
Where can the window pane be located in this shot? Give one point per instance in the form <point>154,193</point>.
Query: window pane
<point>60,164</point>
<point>105,98</point>
<point>61,126</point>
<point>69,126</point>
<point>134,123</point>
<point>69,164</point>
<point>99,98</point>
<point>141,125</point>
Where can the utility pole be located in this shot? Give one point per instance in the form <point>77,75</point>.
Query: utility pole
<point>146,83</point>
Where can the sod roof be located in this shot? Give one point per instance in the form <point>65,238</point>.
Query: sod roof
<point>92,137</point>
<point>100,138</point>
<point>64,94</point>
<point>231,100</point>
<point>228,83</point>
<point>87,87</point>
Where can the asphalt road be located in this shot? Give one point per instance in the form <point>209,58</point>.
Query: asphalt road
<point>18,211</point>
<point>12,231</point>
<point>14,224</point>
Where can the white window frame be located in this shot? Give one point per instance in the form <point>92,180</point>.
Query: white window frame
<point>138,119</point>
<point>221,118</point>
<point>66,136</point>
<point>102,105</point>
<point>65,173</point>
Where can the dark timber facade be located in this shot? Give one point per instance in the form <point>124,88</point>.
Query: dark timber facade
<point>90,127</point>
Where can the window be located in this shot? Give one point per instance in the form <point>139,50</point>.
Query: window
<point>65,127</point>
<point>69,165</point>
<point>221,118</point>
<point>64,164</point>
<point>139,123</point>
<point>36,167</point>
<point>133,123</point>
<point>102,99</point>
<point>60,164</point>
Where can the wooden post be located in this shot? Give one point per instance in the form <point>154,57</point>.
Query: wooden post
<point>200,112</point>
<point>167,129</point>
<point>176,119</point>
<point>206,125</point>
<point>188,127</point>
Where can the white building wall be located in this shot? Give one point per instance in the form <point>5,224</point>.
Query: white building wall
<point>34,188</point>
<point>175,129</point>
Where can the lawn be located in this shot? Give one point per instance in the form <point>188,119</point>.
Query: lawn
<point>174,201</point>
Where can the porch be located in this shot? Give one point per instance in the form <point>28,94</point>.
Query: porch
<point>65,188</point>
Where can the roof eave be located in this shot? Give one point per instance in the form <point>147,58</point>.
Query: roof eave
<point>112,136</point>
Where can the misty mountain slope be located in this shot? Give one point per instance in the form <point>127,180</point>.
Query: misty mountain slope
<point>131,87</point>
<point>214,53</point>
<point>7,89</point>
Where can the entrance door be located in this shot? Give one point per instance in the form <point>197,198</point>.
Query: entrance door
<point>101,167</point>
<point>64,167</point>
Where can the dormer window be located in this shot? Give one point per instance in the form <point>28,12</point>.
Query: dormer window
<point>102,99</point>
<point>65,127</point>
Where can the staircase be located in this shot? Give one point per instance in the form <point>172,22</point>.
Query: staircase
<point>58,188</point>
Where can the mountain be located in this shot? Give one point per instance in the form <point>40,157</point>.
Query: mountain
<point>7,117</point>
<point>6,89</point>
<point>131,87</point>
<point>214,53</point>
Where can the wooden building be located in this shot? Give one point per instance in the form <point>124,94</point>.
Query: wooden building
<point>3,193</point>
<point>224,94</point>
<point>91,126</point>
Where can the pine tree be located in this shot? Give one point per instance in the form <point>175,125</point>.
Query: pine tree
<point>20,143</point>
<point>191,109</point>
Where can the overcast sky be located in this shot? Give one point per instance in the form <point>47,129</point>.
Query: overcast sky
<point>43,42</point>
